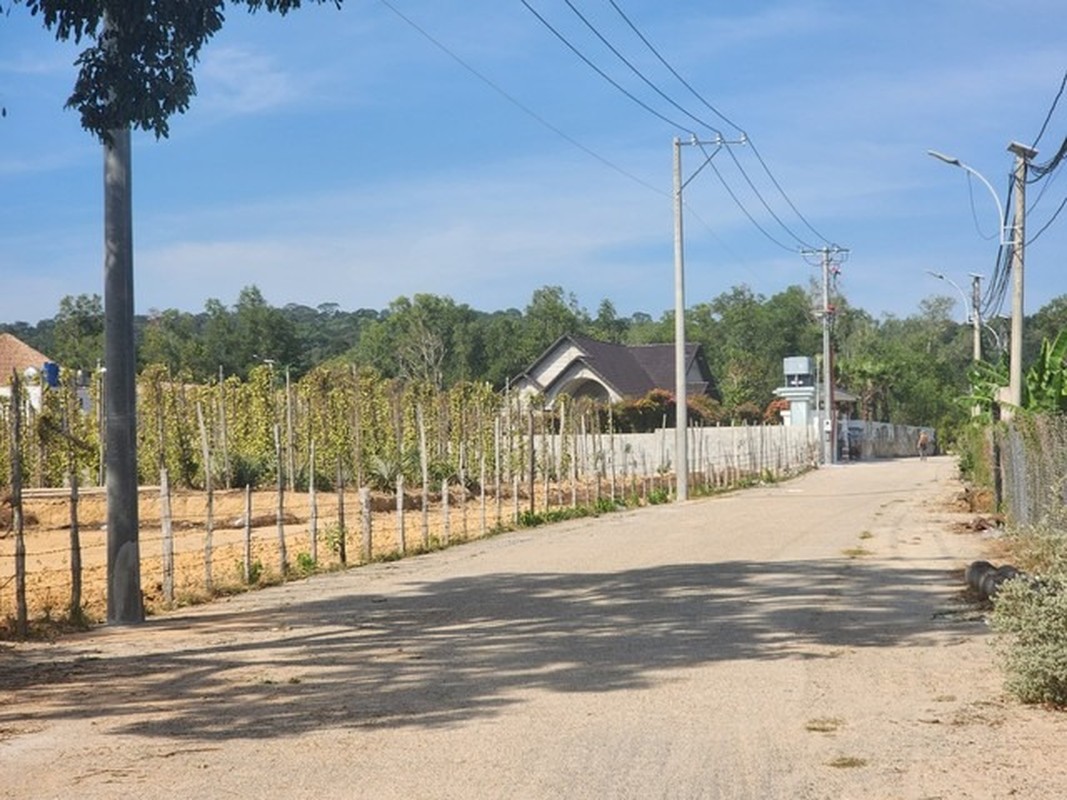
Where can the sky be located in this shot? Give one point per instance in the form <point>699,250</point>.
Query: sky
<point>384,149</point>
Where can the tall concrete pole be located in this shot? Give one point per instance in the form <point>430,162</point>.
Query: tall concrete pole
<point>124,603</point>
<point>830,417</point>
<point>1015,384</point>
<point>681,418</point>
<point>976,314</point>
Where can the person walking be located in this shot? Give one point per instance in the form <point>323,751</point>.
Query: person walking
<point>923,444</point>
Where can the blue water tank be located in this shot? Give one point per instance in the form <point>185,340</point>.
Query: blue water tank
<point>51,374</point>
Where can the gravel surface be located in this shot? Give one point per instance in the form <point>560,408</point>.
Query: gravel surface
<point>802,640</point>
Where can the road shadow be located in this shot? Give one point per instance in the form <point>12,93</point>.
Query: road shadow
<point>440,652</point>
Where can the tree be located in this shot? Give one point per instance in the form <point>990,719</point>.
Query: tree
<point>79,332</point>
<point>746,336</point>
<point>550,314</point>
<point>136,73</point>
<point>503,361</point>
<point>608,326</point>
<point>172,338</point>
<point>1046,324</point>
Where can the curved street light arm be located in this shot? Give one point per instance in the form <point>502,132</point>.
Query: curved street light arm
<point>1001,223</point>
<point>966,301</point>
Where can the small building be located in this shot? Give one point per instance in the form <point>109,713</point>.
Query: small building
<point>16,355</point>
<point>582,367</point>
<point>33,367</point>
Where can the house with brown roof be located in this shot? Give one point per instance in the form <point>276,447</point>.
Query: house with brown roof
<point>16,355</point>
<point>605,372</point>
<point>29,363</point>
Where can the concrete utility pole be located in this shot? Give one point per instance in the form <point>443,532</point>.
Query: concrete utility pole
<point>124,604</point>
<point>1023,154</point>
<point>830,420</point>
<point>829,432</point>
<point>681,409</point>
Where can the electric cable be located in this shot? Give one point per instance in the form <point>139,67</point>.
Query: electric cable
<point>518,104</point>
<point>588,62</point>
<point>637,71</point>
<point>745,211</point>
<point>974,210</point>
<point>764,203</point>
<point>755,151</point>
<point>562,134</point>
<point>1039,171</point>
<point>1055,101</point>
<point>1045,227</point>
<point>674,72</point>
<point>782,191</point>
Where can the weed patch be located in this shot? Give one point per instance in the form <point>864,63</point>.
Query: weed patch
<point>824,724</point>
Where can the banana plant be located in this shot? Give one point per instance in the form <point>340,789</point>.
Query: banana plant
<point>986,381</point>
<point>1046,381</point>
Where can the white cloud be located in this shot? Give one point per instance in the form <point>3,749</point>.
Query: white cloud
<point>235,81</point>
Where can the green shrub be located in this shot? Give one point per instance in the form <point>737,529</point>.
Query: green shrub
<point>332,536</point>
<point>248,471</point>
<point>658,497</point>
<point>305,564</point>
<point>255,571</point>
<point>1032,621</point>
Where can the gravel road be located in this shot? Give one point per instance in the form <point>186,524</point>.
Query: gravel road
<point>802,640</point>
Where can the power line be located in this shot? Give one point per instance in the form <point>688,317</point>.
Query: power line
<point>638,101</point>
<point>1045,227</point>
<point>745,211</point>
<point>674,72</point>
<point>763,201</point>
<point>1039,171</point>
<point>603,74</point>
<point>518,104</point>
<point>1055,101</point>
<point>585,20</point>
<point>637,71</point>
<point>781,191</point>
<point>720,115</point>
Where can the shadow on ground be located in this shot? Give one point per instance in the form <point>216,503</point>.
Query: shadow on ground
<point>438,653</point>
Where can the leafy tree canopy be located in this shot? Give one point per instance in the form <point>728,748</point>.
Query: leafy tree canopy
<point>138,70</point>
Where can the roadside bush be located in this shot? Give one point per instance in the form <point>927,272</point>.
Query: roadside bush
<point>1032,618</point>
<point>1031,615</point>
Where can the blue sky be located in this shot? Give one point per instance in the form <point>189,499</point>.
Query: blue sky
<point>341,156</point>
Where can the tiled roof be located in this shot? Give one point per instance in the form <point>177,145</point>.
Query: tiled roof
<point>16,354</point>
<point>634,370</point>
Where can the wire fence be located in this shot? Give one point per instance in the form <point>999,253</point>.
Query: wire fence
<point>194,544</point>
<point>1033,467</point>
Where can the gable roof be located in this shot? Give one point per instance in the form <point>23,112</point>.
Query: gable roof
<point>15,354</point>
<point>628,370</point>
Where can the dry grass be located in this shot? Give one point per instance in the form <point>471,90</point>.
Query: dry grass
<point>847,762</point>
<point>824,724</point>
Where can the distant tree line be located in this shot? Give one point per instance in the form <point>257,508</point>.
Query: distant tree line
<point>911,370</point>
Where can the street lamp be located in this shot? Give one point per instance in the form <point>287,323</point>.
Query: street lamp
<point>1022,154</point>
<point>993,192</point>
<point>975,315</point>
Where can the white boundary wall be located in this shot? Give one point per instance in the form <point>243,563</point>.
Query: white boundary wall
<point>751,450</point>
<point>748,449</point>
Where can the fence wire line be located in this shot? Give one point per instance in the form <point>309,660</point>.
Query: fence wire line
<point>1033,452</point>
<point>622,468</point>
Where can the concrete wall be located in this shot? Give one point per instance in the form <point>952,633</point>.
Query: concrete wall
<point>752,449</point>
